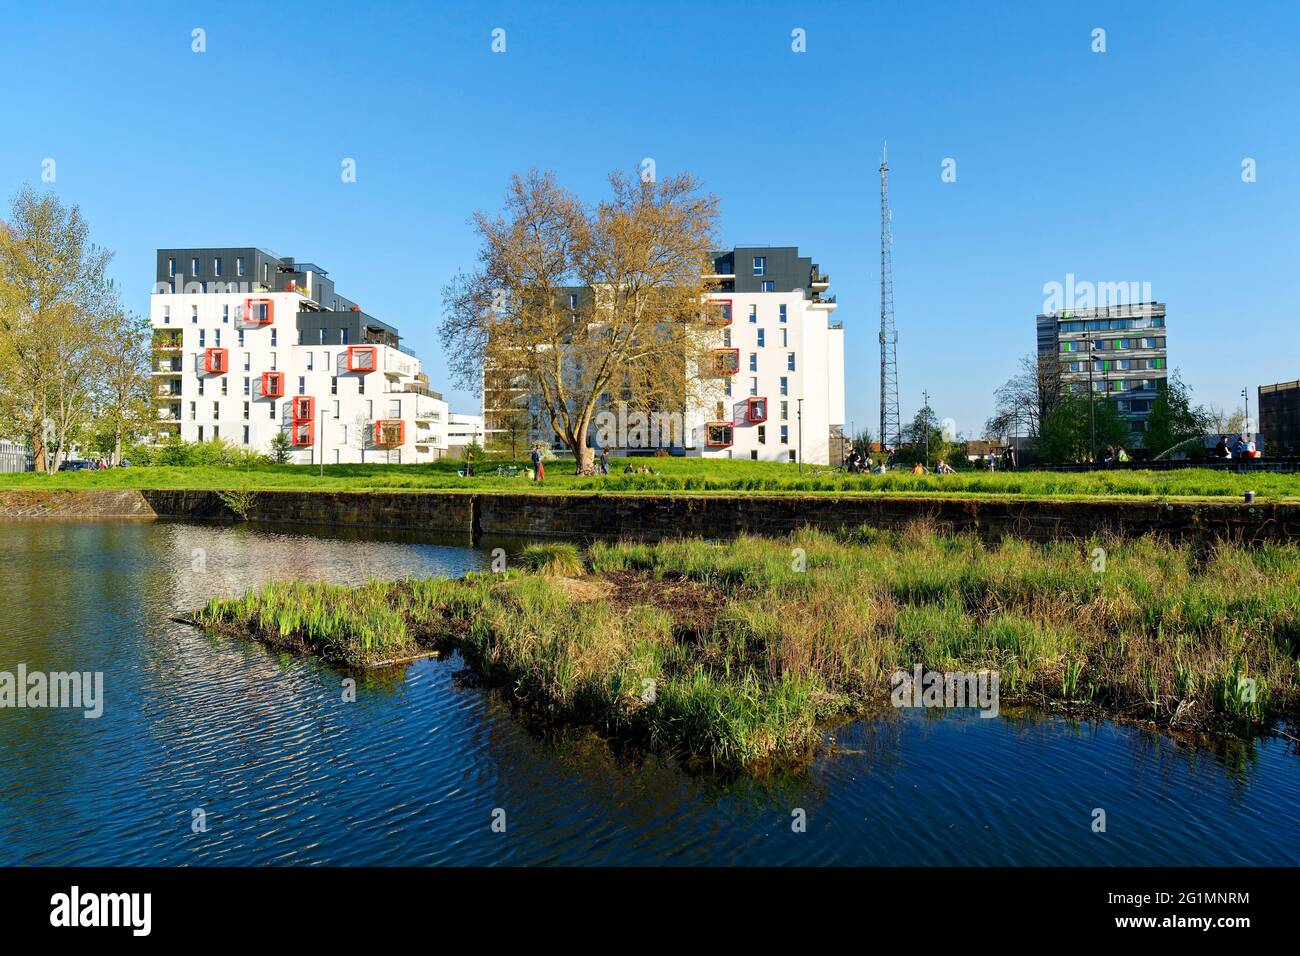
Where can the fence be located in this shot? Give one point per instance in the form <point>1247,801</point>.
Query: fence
<point>15,458</point>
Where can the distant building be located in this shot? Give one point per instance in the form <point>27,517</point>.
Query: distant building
<point>463,431</point>
<point>1121,349</point>
<point>1279,417</point>
<point>249,345</point>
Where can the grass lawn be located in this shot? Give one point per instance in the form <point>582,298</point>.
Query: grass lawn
<point>691,475</point>
<point>733,653</point>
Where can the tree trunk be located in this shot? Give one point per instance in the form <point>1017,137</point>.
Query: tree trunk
<point>584,459</point>
<point>38,447</point>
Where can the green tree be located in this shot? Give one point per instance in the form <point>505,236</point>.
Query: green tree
<point>1065,434</point>
<point>124,407</point>
<point>1174,419</point>
<point>281,448</point>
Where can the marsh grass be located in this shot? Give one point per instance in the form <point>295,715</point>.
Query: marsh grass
<point>804,628</point>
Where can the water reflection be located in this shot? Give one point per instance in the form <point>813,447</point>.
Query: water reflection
<point>285,771</point>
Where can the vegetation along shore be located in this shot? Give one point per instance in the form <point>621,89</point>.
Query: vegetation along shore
<point>732,654</point>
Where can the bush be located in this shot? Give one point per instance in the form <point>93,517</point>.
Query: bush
<point>175,452</point>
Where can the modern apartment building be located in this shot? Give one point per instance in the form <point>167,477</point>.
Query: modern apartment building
<point>249,345</point>
<point>463,431</point>
<point>1120,349</point>
<point>775,385</point>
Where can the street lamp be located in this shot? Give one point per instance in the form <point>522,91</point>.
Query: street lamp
<point>1092,417</point>
<point>926,396</point>
<point>799,412</point>
<point>1245,397</point>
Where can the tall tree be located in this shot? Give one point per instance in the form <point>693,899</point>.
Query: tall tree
<point>637,332</point>
<point>52,295</point>
<point>1174,420</point>
<point>1026,399</point>
<point>125,410</point>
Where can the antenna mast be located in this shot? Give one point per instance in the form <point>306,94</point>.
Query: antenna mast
<point>890,426</point>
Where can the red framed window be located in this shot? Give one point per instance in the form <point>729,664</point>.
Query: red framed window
<point>390,431</point>
<point>273,385</point>
<point>259,311</point>
<point>302,433</point>
<point>726,361</point>
<point>304,408</point>
<point>756,410</point>
<point>362,358</point>
<point>216,361</point>
<point>718,312</point>
<point>718,434</point>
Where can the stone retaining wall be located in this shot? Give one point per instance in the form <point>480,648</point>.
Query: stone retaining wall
<point>652,517</point>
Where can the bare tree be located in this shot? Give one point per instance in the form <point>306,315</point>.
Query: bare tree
<point>1026,400</point>
<point>588,306</point>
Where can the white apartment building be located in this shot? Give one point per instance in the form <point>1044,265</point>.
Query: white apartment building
<point>779,361</point>
<point>249,345</point>
<point>463,431</point>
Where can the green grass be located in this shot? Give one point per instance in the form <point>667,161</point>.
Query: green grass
<point>684,475</point>
<point>732,653</point>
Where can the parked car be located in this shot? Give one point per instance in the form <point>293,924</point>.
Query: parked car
<point>77,466</point>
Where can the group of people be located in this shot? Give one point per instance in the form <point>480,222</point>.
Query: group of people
<point>1114,455</point>
<point>1242,447</point>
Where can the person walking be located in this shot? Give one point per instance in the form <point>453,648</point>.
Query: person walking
<point>539,469</point>
<point>469,462</point>
<point>604,461</point>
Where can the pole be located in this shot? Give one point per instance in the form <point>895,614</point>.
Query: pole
<point>321,441</point>
<point>1092,418</point>
<point>926,396</point>
<point>1245,397</point>
<point>799,411</point>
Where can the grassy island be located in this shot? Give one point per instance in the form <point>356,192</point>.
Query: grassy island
<point>733,653</point>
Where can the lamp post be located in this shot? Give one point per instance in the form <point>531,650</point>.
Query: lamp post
<point>1092,418</point>
<point>1245,397</point>
<point>926,396</point>
<point>799,412</point>
<point>321,440</point>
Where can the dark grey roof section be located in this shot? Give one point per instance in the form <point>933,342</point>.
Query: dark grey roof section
<point>780,266</point>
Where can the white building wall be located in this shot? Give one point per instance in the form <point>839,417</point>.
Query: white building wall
<point>817,378</point>
<point>231,405</point>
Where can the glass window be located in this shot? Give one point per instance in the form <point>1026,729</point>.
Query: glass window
<point>194,267</point>
<point>753,361</point>
<point>216,267</point>
<point>782,312</point>
<point>761,339</point>
<point>785,434</point>
<point>753,385</point>
<point>760,265</point>
<point>239,265</point>
<point>768,285</point>
<point>789,361</point>
<point>171,267</point>
<point>785,385</point>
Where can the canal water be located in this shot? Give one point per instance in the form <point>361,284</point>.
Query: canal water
<point>219,751</point>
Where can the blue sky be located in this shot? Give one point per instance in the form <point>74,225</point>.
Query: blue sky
<point>1117,166</point>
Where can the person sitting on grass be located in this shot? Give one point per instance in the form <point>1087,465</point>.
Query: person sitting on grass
<point>920,469</point>
<point>629,470</point>
<point>944,468</point>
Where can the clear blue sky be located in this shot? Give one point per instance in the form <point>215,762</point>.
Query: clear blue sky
<point>1119,166</point>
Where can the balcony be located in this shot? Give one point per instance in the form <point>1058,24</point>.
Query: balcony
<point>259,312</point>
<point>819,281</point>
<point>755,410</point>
<point>362,358</point>
<point>389,432</point>
<point>719,434</point>
<point>167,343</point>
<point>395,366</point>
<point>718,312</point>
<point>302,434</point>
<point>169,367</point>
<point>272,385</point>
<point>726,361</point>
<point>304,409</point>
<point>216,361</point>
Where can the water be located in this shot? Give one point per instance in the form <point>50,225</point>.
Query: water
<point>414,770</point>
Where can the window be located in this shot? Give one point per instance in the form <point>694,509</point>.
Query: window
<point>760,265</point>
<point>782,311</point>
<point>334,385</point>
<point>753,454</point>
<point>200,433</point>
<point>216,338</point>
<point>753,314</point>
<point>762,435</point>
<point>370,409</point>
<point>343,336</point>
<point>193,410</point>
<point>336,408</point>
<point>789,361</point>
<point>248,358</point>
<point>720,410</point>
<point>727,390</point>
<point>726,338</point>
<point>302,336</point>
<point>265,274</point>
<point>792,456</point>
<point>361,385</point>
<point>753,361</point>
<point>768,286</point>
<point>216,410</point>
<point>216,267</point>
<point>202,338</point>
<point>785,338</point>
<point>395,408</point>
<point>785,411</point>
<point>247,408</point>
<point>225,390</point>
<point>239,336</point>
<point>785,385</point>
<point>167,315</point>
<point>573,300</point>
<point>194,267</point>
<point>272,357</point>
<point>194,315</point>
<point>271,411</point>
<point>302,385</point>
<point>273,338</point>
<point>753,385</point>
<point>239,265</point>
<point>245,433</point>
<point>785,434</point>
<point>171,268</point>
<point>322,336</point>
<point>311,360</point>
<point>762,340</point>
<point>248,387</point>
